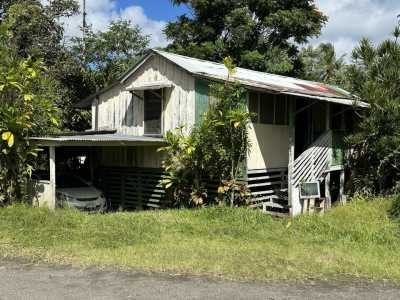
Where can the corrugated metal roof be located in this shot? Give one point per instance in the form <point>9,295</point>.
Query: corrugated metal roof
<point>249,78</point>
<point>262,80</point>
<point>154,85</point>
<point>94,139</point>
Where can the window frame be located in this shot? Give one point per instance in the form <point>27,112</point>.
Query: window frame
<point>275,99</point>
<point>161,112</point>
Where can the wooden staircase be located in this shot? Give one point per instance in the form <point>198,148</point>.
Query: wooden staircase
<point>269,191</point>
<point>312,164</point>
<point>269,187</point>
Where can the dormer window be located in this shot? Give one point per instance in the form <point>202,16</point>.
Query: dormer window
<point>153,112</point>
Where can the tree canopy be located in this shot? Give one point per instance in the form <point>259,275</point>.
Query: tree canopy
<point>106,55</point>
<point>34,28</point>
<point>79,65</point>
<point>374,75</point>
<point>258,34</point>
<point>321,64</point>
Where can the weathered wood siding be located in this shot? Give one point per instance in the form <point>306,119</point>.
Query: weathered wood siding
<point>119,109</point>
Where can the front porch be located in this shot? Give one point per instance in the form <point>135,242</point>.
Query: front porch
<point>314,178</point>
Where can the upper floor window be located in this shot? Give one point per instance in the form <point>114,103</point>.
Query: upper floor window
<point>269,108</point>
<point>152,111</point>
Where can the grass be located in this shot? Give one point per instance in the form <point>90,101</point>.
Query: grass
<point>358,240</point>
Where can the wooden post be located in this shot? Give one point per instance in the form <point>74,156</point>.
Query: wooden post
<point>311,208</point>
<point>305,208</point>
<point>328,199</point>
<point>292,118</point>
<point>342,198</point>
<point>52,156</point>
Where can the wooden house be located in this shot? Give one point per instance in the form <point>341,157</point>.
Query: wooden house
<point>296,138</point>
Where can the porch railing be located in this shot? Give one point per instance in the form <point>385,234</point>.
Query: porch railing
<point>313,162</point>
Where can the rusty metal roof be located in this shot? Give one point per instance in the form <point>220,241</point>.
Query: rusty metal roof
<point>262,80</point>
<point>249,78</point>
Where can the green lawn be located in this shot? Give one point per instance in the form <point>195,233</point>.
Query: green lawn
<point>357,240</point>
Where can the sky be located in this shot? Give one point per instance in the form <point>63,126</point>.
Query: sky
<point>349,20</point>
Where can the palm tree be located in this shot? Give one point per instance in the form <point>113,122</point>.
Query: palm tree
<point>322,64</point>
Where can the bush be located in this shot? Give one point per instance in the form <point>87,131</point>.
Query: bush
<point>27,93</point>
<point>375,77</point>
<point>215,150</point>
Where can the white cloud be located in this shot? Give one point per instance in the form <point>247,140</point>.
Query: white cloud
<point>350,20</point>
<point>101,12</point>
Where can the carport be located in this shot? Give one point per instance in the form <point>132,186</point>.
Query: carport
<point>131,183</point>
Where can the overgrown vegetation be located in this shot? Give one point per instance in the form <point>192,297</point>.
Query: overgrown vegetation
<point>374,76</point>
<point>357,240</point>
<point>214,151</point>
<point>80,66</point>
<point>26,96</point>
<point>104,56</point>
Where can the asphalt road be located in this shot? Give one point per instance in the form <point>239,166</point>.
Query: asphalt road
<point>20,280</point>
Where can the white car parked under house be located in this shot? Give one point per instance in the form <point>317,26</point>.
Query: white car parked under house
<point>73,191</point>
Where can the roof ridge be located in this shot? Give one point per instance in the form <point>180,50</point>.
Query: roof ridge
<point>246,69</point>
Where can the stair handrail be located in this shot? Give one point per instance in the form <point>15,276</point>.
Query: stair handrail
<point>314,161</point>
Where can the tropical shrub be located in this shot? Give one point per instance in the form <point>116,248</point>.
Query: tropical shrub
<point>184,174</point>
<point>26,97</point>
<point>374,75</point>
<point>214,151</point>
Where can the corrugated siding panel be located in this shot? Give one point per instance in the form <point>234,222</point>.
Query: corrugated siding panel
<point>202,98</point>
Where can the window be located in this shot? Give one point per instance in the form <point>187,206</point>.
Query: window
<point>270,109</point>
<point>267,109</point>
<point>253,106</point>
<point>281,110</point>
<point>152,111</point>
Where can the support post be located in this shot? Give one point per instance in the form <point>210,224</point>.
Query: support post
<point>328,201</point>
<point>328,198</point>
<point>342,197</point>
<point>295,207</point>
<point>52,156</point>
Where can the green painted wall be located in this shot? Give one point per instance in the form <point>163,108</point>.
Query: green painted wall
<point>338,147</point>
<point>202,90</point>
